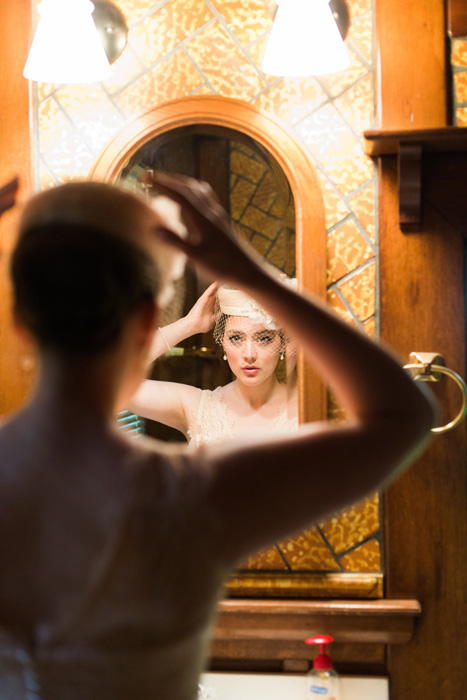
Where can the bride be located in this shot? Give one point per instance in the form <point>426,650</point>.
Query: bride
<point>253,346</point>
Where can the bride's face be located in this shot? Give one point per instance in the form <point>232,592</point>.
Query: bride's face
<point>252,349</point>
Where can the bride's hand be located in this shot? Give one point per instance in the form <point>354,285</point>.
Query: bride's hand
<point>211,242</point>
<point>201,316</point>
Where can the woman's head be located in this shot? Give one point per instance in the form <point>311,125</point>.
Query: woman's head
<point>84,261</point>
<point>251,339</point>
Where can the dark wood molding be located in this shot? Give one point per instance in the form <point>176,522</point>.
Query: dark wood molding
<point>431,166</point>
<point>271,631</point>
<point>457,18</point>
<point>446,139</point>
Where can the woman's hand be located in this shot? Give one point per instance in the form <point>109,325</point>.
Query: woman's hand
<point>211,242</point>
<point>8,195</point>
<point>201,315</point>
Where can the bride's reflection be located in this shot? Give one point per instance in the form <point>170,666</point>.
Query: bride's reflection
<point>260,400</point>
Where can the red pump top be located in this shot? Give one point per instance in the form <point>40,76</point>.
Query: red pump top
<point>323,661</point>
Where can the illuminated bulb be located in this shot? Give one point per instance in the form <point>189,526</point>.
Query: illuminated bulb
<point>304,40</point>
<point>66,47</point>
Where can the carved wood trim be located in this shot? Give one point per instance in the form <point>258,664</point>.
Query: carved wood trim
<point>268,630</point>
<point>421,151</point>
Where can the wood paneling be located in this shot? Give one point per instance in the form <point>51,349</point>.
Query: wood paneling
<point>423,308</point>
<point>15,159</point>
<point>410,40</point>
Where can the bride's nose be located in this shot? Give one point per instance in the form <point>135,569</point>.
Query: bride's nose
<point>249,350</point>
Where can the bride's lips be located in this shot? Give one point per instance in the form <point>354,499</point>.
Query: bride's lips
<point>250,370</point>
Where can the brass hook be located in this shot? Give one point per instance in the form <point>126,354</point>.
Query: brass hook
<point>429,368</point>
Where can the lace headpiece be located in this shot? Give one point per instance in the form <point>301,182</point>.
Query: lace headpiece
<point>234,302</point>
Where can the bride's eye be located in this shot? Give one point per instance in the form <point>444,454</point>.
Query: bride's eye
<point>265,339</point>
<point>235,338</point>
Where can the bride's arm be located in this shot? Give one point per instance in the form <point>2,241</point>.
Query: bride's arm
<point>262,491</point>
<point>199,319</point>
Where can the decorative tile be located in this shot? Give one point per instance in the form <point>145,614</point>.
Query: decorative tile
<point>134,9</point>
<point>336,83</point>
<point>167,27</point>
<point>174,77</point>
<point>459,52</point>
<point>346,249</point>
<point>359,292</point>
<point>282,253</point>
<point>460,86</point>
<point>247,20</point>
<point>240,197</point>
<point>292,99</point>
<point>97,120</point>
<point>370,328</point>
<point>308,552</point>
<point>461,116</point>
<point>246,166</point>
<point>335,208</point>
<point>55,124</point>
<point>363,206</point>
<point>358,7</point>
<point>260,221</point>
<point>335,412</point>
<point>366,558</point>
<point>46,181</point>
<point>69,159</point>
<point>125,69</point>
<point>256,51</point>
<point>44,89</point>
<point>334,145</point>
<point>267,559</point>
<point>259,242</point>
<point>224,64</point>
<point>361,36</point>
<point>353,525</point>
<point>357,105</point>
<point>338,306</point>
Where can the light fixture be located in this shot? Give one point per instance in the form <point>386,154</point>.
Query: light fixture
<point>111,27</point>
<point>67,47</point>
<point>305,40</point>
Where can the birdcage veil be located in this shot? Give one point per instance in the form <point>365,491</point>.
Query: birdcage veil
<point>237,313</point>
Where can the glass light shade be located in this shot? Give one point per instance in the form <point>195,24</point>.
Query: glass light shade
<point>66,47</point>
<point>304,40</point>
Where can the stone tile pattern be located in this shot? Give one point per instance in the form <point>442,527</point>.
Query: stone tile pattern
<point>459,77</point>
<point>178,48</point>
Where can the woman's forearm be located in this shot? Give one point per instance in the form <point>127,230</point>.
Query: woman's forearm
<point>168,336</point>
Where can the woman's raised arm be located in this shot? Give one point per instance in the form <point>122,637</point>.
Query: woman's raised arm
<point>264,490</point>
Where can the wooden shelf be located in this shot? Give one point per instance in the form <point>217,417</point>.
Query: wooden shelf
<point>446,139</point>
<point>276,629</point>
<point>411,146</point>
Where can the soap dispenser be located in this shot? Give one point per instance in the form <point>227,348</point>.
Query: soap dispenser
<point>322,681</point>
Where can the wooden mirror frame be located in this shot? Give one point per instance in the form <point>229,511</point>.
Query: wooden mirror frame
<point>310,231</point>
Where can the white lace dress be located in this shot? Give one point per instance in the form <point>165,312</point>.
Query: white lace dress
<point>213,422</point>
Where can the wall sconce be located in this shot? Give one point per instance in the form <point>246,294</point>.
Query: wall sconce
<point>305,39</point>
<point>73,45</point>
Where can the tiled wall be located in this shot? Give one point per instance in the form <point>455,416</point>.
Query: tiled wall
<point>179,48</point>
<point>459,74</point>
